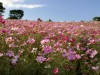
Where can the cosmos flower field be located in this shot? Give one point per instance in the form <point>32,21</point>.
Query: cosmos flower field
<point>49,48</point>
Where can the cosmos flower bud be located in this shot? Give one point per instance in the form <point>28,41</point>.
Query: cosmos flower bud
<point>40,59</point>
<point>55,70</point>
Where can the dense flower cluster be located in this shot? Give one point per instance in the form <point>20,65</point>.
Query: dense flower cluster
<point>48,48</point>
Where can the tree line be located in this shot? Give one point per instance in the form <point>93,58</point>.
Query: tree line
<point>18,14</point>
<point>13,14</point>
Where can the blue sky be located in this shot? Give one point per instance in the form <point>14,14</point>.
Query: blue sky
<point>57,10</point>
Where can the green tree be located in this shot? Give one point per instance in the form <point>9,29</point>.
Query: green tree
<point>16,14</point>
<point>49,20</point>
<point>1,9</point>
<point>96,18</point>
<point>39,20</point>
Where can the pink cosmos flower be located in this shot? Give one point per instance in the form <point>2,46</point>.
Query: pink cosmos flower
<point>9,40</point>
<point>55,70</point>
<point>91,41</point>
<point>48,59</point>
<point>95,68</point>
<point>78,46</point>
<point>24,43</point>
<point>56,45</point>
<point>72,40</point>
<point>98,40</point>
<point>40,59</point>
<point>45,41</point>
<point>15,59</point>
<point>10,53</point>
<point>12,45</point>
<point>64,53</point>
<point>31,41</point>
<point>82,48</point>
<point>71,51</point>
<point>1,54</point>
<point>78,56</point>
<point>71,54</point>
<point>93,53</point>
<point>88,51</point>
<point>58,49</point>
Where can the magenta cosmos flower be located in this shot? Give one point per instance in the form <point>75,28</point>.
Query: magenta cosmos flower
<point>72,55</point>
<point>10,53</point>
<point>40,59</point>
<point>4,30</point>
<point>55,70</point>
<point>47,49</point>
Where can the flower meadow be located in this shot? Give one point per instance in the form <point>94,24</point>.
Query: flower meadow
<point>49,48</point>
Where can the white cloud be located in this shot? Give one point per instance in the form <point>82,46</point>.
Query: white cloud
<point>18,4</point>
